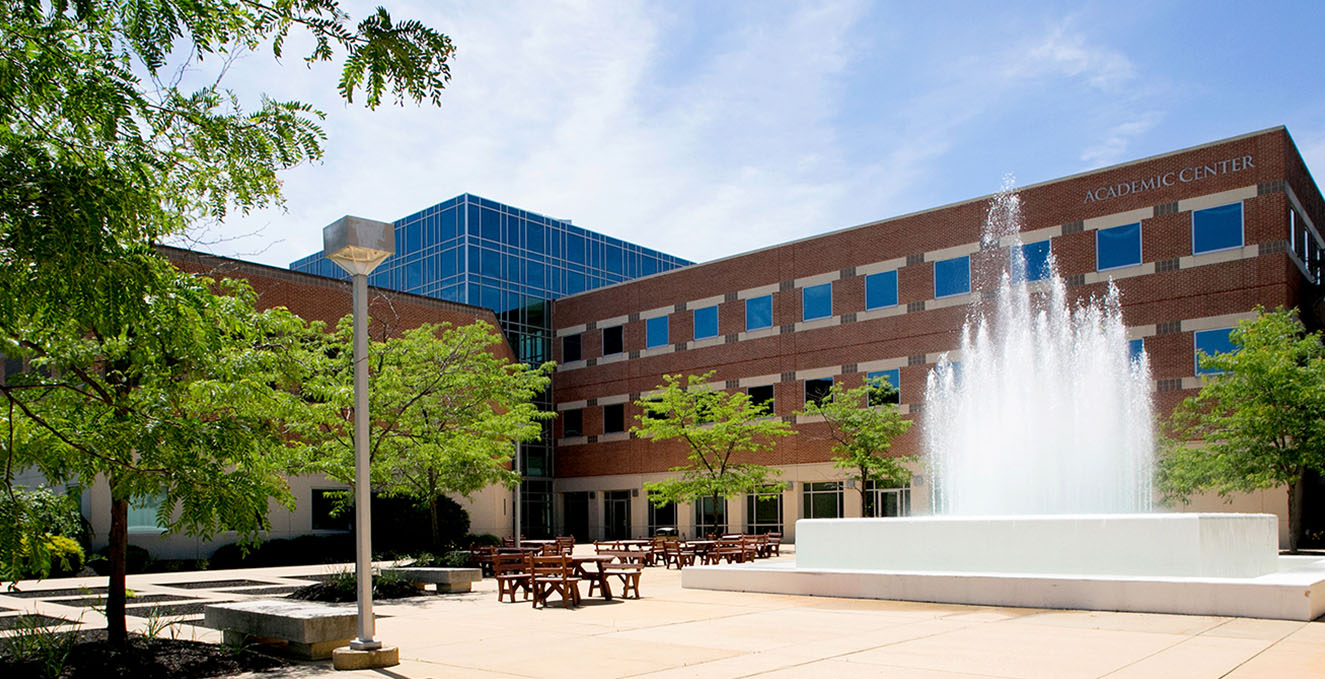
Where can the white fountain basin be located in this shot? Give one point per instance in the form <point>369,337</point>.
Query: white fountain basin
<point>1201,545</point>
<point>1192,564</point>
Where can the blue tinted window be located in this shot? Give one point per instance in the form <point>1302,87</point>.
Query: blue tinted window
<point>1035,259</point>
<point>881,290</point>
<point>413,237</point>
<point>706,322</point>
<point>1119,246</point>
<point>613,259</point>
<point>817,301</point>
<point>952,276</point>
<point>575,249</point>
<point>1217,228</point>
<point>1211,342</point>
<point>490,264</point>
<point>449,229</point>
<point>471,219</point>
<point>657,332</point>
<point>890,393</point>
<point>490,298</point>
<point>490,224</point>
<point>1135,348</point>
<point>533,274</point>
<point>759,312</point>
<point>574,282</point>
<point>533,236</point>
<point>413,275</point>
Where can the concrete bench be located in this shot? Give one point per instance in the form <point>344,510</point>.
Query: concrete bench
<point>446,579</point>
<point>305,629</point>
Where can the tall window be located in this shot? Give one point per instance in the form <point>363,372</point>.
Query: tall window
<point>1209,343</point>
<point>887,500</point>
<point>710,518</point>
<point>570,348</point>
<point>142,513</point>
<point>881,290</point>
<point>1118,246</point>
<point>613,341</point>
<point>1135,348</point>
<point>706,322</point>
<point>816,301</point>
<point>614,418</point>
<point>1033,265</point>
<point>572,423</point>
<point>888,389</point>
<point>661,517</point>
<point>762,396</point>
<point>763,512</point>
<point>1217,228</point>
<point>759,313</point>
<point>952,276</point>
<point>817,390</point>
<point>822,500</point>
<point>656,331</point>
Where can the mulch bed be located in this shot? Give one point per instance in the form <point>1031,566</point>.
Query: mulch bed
<point>277,590</point>
<point>213,584</point>
<point>15,621</point>
<point>131,601</point>
<point>168,610</point>
<point>381,590</point>
<point>43,593</point>
<point>93,656</point>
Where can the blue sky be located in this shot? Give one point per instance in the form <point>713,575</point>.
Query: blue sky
<point>705,129</point>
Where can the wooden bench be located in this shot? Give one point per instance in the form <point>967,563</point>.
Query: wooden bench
<point>304,629</point>
<point>446,579</point>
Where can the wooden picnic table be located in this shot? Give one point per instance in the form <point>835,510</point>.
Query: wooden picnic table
<point>581,561</point>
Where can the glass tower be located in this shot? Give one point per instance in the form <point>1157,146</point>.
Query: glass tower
<point>480,252</point>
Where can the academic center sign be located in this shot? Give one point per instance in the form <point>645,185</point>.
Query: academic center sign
<point>1185,175</point>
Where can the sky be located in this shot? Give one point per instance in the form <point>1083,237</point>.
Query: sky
<point>706,129</point>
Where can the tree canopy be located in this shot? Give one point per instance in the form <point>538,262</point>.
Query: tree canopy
<point>720,429</point>
<point>1258,422</point>
<point>446,411</point>
<point>862,423</point>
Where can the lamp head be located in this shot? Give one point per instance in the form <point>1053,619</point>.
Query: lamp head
<point>358,245</point>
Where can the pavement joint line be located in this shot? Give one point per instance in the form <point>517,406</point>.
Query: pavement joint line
<point>1257,654</point>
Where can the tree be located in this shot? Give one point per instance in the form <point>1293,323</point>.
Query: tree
<point>1260,419</point>
<point>194,407</point>
<point>720,429</point>
<point>862,423</point>
<point>102,152</point>
<point>446,410</point>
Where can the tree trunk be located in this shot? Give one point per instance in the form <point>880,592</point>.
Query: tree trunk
<point>718,528</point>
<point>1295,509</point>
<point>866,497</point>
<point>436,526</point>
<point>119,542</point>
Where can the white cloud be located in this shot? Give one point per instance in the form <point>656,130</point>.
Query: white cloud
<point>1114,147</point>
<point>1068,53</point>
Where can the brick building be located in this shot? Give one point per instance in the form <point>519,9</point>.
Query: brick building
<point>1194,239</point>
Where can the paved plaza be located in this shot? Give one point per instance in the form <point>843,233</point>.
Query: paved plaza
<point>675,632</point>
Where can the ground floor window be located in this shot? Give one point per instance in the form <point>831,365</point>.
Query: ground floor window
<point>661,516</point>
<point>822,499</point>
<point>324,504</point>
<point>536,508</point>
<point>710,518</point>
<point>883,500</point>
<point>763,512</point>
<point>142,513</point>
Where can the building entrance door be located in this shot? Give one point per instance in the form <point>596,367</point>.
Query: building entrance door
<point>616,515</point>
<point>575,515</point>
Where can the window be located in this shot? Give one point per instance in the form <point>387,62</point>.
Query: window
<point>572,423</point>
<point>763,512</point>
<point>708,518</point>
<point>1135,349</point>
<point>817,390</point>
<point>889,388</point>
<point>142,513</point>
<point>570,348</point>
<point>952,276</point>
<point>885,500</point>
<point>1217,228</point>
<point>762,396</point>
<point>324,504</point>
<point>655,332</point>
<point>1209,343</point>
<point>1033,265</point>
<point>612,340</point>
<point>661,517</point>
<point>706,322</point>
<point>816,301</point>
<point>822,499</point>
<point>614,418</point>
<point>758,313</point>
<point>1118,246</point>
<point>881,290</point>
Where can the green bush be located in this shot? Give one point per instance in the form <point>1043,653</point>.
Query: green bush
<point>136,560</point>
<point>482,540</point>
<point>66,555</point>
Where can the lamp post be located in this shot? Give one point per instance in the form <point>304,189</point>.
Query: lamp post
<point>358,245</point>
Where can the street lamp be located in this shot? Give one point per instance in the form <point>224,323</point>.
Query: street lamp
<point>358,245</point>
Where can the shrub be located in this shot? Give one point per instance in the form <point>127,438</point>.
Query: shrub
<point>66,555</point>
<point>136,560</point>
<point>482,540</point>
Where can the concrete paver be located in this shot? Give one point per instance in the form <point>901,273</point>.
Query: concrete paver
<point>673,633</point>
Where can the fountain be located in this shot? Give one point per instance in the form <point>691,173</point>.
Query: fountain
<point>1039,437</point>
